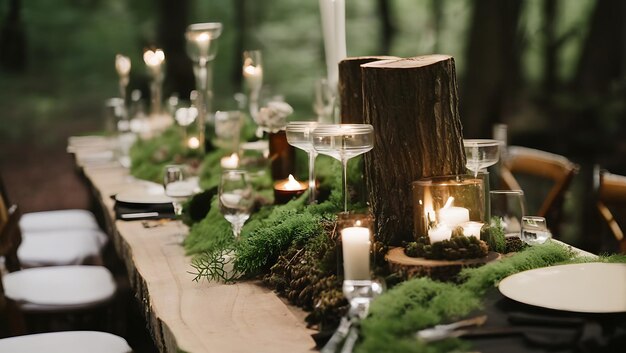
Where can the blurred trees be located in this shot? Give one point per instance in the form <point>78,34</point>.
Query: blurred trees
<point>531,64</point>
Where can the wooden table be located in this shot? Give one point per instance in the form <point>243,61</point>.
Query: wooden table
<point>189,316</point>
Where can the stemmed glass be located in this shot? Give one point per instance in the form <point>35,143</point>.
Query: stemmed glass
<point>202,48</point>
<point>481,153</point>
<point>236,198</point>
<point>253,75</point>
<point>299,135</point>
<point>177,188</point>
<point>343,142</point>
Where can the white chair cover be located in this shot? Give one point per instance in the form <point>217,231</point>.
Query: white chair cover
<point>59,288</point>
<point>59,219</point>
<point>60,248</point>
<point>66,342</point>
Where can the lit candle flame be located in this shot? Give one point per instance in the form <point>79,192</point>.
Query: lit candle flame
<point>154,58</point>
<point>193,142</point>
<point>292,184</point>
<point>122,65</point>
<point>449,202</point>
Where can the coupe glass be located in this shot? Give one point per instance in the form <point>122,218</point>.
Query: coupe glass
<point>535,230</point>
<point>343,142</point>
<point>300,135</point>
<point>236,198</point>
<point>178,188</point>
<point>481,153</point>
<point>509,207</point>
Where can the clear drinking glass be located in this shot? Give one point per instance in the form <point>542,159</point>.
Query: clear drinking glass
<point>535,230</point>
<point>343,142</point>
<point>178,188</point>
<point>300,135</point>
<point>481,153</point>
<point>236,198</point>
<point>509,207</point>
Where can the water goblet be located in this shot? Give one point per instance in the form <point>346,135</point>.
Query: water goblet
<point>300,135</point>
<point>508,206</point>
<point>535,230</point>
<point>343,142</point>
<point>481,153</point>
<point>236,198</point>
<point>178,188</point>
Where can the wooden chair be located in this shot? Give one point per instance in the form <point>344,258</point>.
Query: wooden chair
<point>611,203</point>
<point>554,170</point>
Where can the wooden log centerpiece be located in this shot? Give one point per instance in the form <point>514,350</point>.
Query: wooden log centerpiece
<point>351,87</point>
<point>413,105</point>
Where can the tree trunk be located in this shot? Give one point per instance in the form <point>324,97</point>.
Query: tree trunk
<point>350,87</point>
<point>387,28</point>
<point>413,106</point>
<point>13,39</point>
<point>493,67</point>
<point>173,21</point>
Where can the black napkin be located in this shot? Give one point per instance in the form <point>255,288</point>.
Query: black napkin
<point>135,211</point>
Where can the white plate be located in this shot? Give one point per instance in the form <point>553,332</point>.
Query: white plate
<point>585,288</point>
<point>147,195</point>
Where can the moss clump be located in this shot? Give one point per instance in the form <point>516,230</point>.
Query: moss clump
<point>456,248</point>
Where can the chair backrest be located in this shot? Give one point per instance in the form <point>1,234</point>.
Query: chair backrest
<point>557,170</point>
<point>611,203</point>
<point>11,319</point>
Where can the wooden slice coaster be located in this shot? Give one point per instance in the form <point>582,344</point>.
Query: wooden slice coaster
<point>443,270</point>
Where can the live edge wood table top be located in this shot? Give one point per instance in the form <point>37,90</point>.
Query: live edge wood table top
<point>189,316</point>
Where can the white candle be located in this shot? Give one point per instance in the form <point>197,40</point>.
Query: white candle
<point>122,65</point>
<point>253,76</point>
<point>472,229</point>
<point>230,162</point>
<point>356,253</point>
<point>453,216</point>
<point>439,233</point>
<point>328,30</point>
<point>202,40</point>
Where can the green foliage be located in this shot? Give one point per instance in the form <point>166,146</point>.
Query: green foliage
<point>150,156</point>
<point>494,235</point>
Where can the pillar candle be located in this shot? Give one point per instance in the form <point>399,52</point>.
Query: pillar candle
<point>356,253</point>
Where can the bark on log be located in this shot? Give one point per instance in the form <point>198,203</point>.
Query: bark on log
<point>351,89</point>
<point>413,106</point>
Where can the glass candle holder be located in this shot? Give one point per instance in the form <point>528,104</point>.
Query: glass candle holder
<point>442,204</point>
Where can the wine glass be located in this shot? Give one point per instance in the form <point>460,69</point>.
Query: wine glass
<point>343,142</point>
<point>508,206</point>
<point>236,198</point>
<point>481,153</point>
<point>299,135</point>
<point>177,188</point>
